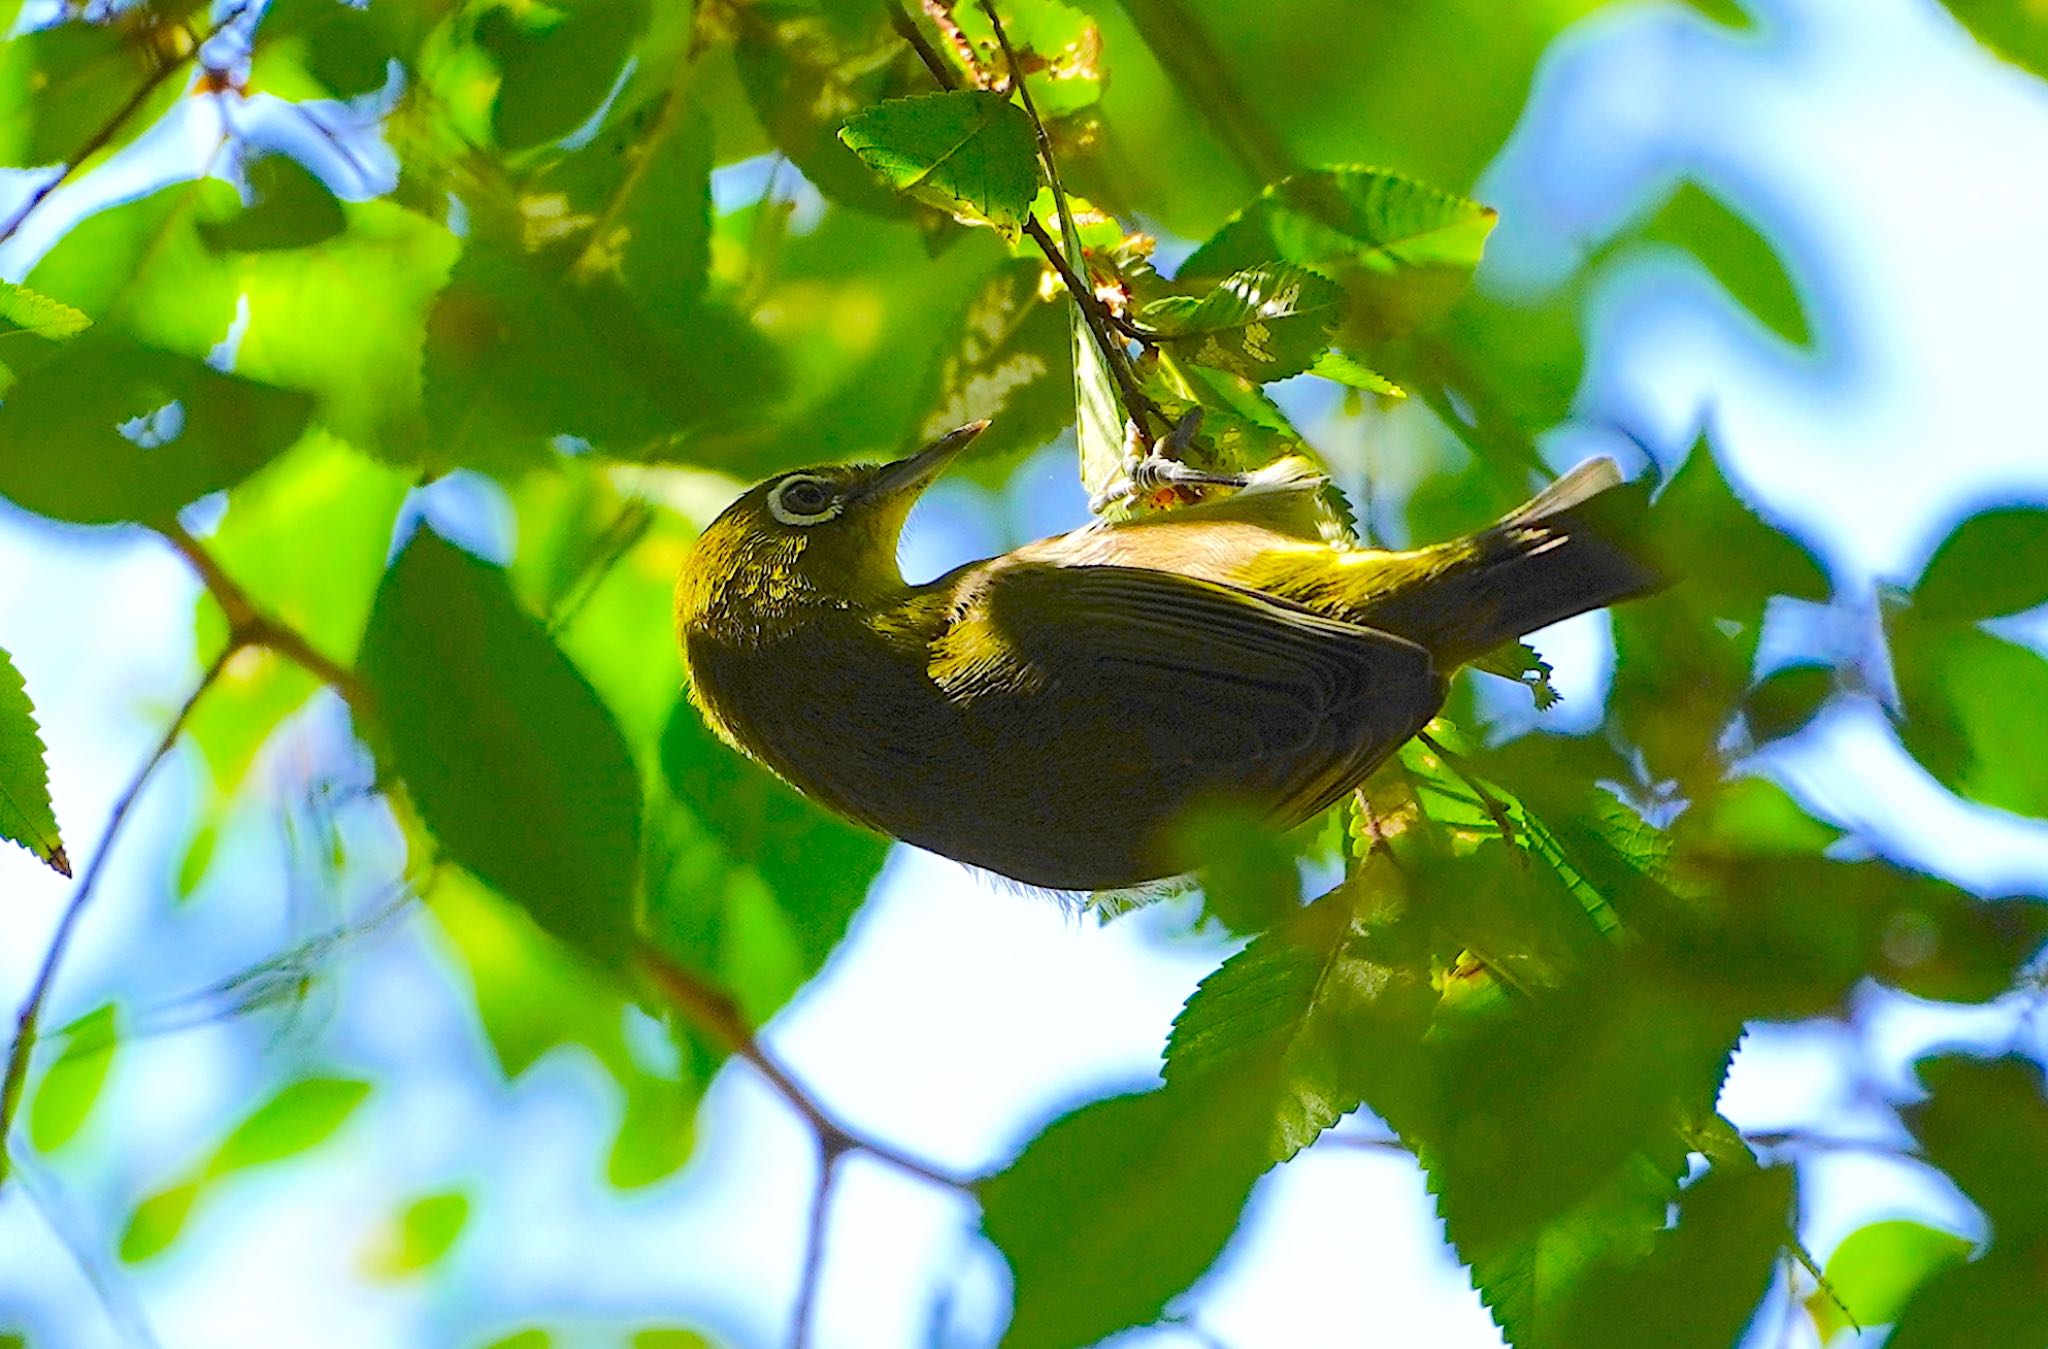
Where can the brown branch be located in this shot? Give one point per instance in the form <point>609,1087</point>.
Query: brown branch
<point>99,139</point>
<point>30,1020</point>
<point>712,1010</point>
<point>814,1250</point>
<point>252,627</point>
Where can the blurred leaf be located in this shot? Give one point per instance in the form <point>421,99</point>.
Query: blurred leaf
<point>666,1338</point>
<point>806,68</point>
<point>1251,880</point>
<point>1700,1284</point>
<point>1985,1123</point>
<point>299,1118</point>
<point>26,816</point>
<point>1401,251</point>
<point>1875,1271</point>
<point>144,431</point>
<point>2015,29</point>
<point>157,1221</point>
<point>968,152</point>
<point>1118,1206</point>
<point>345,48</point>
<point>1736,254</point>
<point>747,879</point>
<point>1995,563</point>
<point>1972,705</point>
<point>71,1085</point>
<point>420,1235</point>
<point>61,85</point>
<point>1784,701</point>
<point>1993,1300</point>
<point>1338,368</point>
<point>531,1338</point>
<point>289,208</point>
<point>22,310</point>
<point>558,62</point>
<point>1263,323</point>
<point>1721,550</point>
<point>1009,364</point>
<point>513,761</point>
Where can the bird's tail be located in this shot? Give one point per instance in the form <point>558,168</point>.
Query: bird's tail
<point>1576,545</point>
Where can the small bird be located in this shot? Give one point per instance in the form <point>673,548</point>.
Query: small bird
<point>1051,714</point>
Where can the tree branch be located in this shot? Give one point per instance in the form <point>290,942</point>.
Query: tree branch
<point>30,1020</point>
<point>712,1010</point>
<point>814,1250</point>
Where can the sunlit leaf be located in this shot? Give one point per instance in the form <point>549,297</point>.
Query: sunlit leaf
<point>1736,254</point>
<point>1009,364</point>
<point>157,1222</point>
<point>300,1117</point>
<point>346,49</point>
<point>1264,323</point>
<point>1400,249</point>
<point>62,85</point>
<point>1875,1271</point>
<point>26,816</point>
<point>969,152</point>
<point>1058,46</point>
<point>420,1234</point>
<point>65,1095</point>
<point>1968,699</point>
<point>2014,29</point>
<point>22,310</point>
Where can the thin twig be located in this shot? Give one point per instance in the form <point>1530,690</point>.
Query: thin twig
<point>1495,811</point>
<point>31,1016</point>
<point>712,1010</point>
<point>256,628</point>
<point>814,1249</point>
<point>112,127</point>
<point>117,1299</point>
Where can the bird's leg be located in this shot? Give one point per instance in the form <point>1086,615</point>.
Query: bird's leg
<point>1146,469</point>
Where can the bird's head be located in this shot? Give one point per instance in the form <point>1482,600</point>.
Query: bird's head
<point>823,536</point>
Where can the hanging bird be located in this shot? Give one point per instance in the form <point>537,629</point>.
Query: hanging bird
<point>1052,713</point>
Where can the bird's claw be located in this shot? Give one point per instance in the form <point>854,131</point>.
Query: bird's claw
<point>1148,469</point>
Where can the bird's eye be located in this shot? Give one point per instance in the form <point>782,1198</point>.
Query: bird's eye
<point>803,500</point>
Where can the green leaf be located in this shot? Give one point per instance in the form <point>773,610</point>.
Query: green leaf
<point>1995,563</point>
<point>557,62</point>
<point>345,49</point>
<point>1252,879</point>
<point>1736,255</point>
<point>2015,29</point>
<point>421,1234</point>
<point>805,70</point>
<point>62,85</point>
<point>747,878</point>
<point>289,208</point>
<point>1283,1023</point>
<point>1784,701</point>
<point>22,310</point>
<point>1401,250</point>
<point>515,764</point>
<point>1985,1123</point>
<point>157,1221</point>
<point>1009,364</point>
<point>1877,1269</point>
<point>1117,1207</point>
<point>1699,1286</point>
<point>969,152</point>
<point>299,1118</point>
<point>26,816</point>
<point>71,1084</point>
<point>143,432</point>
<point>1973,709</point>
<point>1263,323</point>
<point>1338,368</point>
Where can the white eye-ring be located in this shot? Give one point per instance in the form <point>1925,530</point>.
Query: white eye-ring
<point>801,499</point>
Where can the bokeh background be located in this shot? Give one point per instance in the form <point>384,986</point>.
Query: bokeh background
<point>1810,226</point>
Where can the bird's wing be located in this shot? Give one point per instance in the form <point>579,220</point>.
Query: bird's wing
<point>1218,674</point>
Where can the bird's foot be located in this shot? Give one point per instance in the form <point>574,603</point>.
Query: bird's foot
<point>1147,469</point>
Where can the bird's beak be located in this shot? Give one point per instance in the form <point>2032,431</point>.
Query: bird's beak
<point>914,474</point>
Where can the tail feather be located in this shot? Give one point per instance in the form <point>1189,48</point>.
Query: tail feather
<point>1574,547</point>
